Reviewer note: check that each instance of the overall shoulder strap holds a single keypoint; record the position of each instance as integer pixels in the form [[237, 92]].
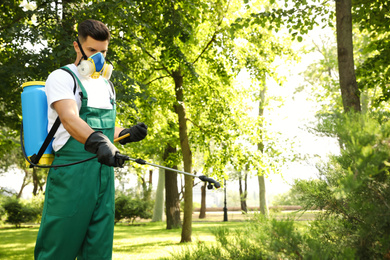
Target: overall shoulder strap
[[112, 88], [83, 92]]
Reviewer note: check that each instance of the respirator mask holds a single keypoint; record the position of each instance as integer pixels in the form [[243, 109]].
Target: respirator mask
[[94, 66]]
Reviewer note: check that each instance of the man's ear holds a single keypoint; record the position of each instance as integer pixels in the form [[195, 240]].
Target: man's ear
[[76, 47]]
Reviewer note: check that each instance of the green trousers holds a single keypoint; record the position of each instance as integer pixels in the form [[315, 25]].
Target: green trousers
[[78, 215]]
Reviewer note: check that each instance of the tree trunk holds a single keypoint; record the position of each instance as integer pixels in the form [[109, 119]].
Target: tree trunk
[[202, 213], [243, 194], [187, 157], [348, 85], [263, 196], [159, 202], [260, 147], [150, 179], [24, 184], [36, 183], [172, 202]]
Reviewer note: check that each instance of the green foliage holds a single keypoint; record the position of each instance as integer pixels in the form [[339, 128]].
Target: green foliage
[[353, 187], [131, 206], [263, 238], [371, 42], [18, 213], [10, 149], [36, 203], [2, 210], [289, 198], [373, 21]]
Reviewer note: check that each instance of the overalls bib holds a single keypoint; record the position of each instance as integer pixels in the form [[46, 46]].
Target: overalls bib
[[79, 207]]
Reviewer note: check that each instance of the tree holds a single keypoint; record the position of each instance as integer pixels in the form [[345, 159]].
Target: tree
[[260, 146], [369, 17], [373, 72], [13, 159], [32, 39], [243, 192], [172, 202], [202, 211], [256, 53], [348, 85], [159, 201]]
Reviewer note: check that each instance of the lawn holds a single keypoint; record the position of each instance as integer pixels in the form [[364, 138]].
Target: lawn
[[153, 241], [143, 240], [138, 241]]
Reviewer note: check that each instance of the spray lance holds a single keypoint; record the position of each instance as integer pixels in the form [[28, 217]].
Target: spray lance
[[212, 183]]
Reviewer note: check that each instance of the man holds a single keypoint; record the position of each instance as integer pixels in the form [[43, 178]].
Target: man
[[78, 214]]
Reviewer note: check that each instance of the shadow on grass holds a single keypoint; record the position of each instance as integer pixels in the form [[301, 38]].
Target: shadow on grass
[[17, 243], [144, 246]]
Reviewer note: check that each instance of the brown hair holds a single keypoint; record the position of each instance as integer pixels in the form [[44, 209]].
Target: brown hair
[[93, 28]]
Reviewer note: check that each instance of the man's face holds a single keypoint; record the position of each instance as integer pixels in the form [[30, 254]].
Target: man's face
[[92, 46]]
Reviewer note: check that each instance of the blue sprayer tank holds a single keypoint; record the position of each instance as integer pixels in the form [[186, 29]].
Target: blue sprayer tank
[[34, 111]]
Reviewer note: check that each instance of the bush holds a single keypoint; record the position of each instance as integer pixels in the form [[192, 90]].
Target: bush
[[266, 239], [36, 203], [2, 210], [289, 198], [132, 206], [17, 213]]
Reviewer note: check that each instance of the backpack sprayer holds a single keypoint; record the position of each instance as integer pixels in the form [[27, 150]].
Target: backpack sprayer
[[37, 138]]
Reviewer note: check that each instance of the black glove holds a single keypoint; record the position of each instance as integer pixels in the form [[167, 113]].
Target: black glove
[[137, 133], [106, 152]]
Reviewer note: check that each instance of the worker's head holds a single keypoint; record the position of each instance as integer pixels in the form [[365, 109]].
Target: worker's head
[[94, 29], [93, 37]]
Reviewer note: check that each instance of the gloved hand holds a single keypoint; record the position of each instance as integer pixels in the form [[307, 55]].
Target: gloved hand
[[137, 133], [106, 151]]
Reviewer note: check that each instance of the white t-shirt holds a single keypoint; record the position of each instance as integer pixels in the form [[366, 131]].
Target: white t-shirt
[[59, 86]]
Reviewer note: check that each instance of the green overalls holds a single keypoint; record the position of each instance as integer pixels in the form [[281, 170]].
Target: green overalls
[[78, 213]]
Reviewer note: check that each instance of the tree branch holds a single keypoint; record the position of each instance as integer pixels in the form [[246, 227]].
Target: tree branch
[[165, 68], [195, 124], [212, 38], [207, 46], [157, 79], [151, 56]]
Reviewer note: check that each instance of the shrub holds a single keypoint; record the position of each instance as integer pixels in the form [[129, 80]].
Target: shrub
[[132, 206], [266, 239], [36, 203], [289, 198], [17, 213]]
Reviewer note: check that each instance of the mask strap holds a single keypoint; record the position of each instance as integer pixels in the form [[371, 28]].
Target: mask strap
[[82, 51], [108, 60]]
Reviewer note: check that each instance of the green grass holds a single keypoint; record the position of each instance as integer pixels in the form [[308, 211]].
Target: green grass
[[153, 241], [143, 240], [17, 243]]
